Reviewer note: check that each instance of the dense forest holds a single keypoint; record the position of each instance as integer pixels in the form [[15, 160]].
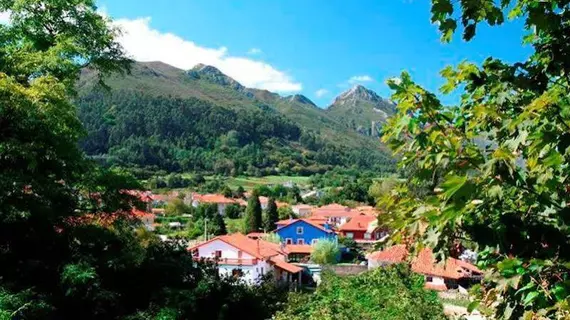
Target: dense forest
[[135, 130]]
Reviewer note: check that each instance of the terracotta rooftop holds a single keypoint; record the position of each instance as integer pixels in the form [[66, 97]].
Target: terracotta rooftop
[[358, 223], [299, 248], [425, 263], [335, 210], [212, 198]]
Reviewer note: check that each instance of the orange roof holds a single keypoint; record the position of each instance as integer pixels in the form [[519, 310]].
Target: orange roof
[[212, 198], [265, 200], [299, 248], [358, 223], [291, 268], [335, 210], [426, 264], [260, 249], [284, 223], [393, 254]]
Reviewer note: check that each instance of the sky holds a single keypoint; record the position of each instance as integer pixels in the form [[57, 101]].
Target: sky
[[318, 48]]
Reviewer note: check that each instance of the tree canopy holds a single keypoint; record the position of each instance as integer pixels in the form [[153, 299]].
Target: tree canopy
[[494, 166]]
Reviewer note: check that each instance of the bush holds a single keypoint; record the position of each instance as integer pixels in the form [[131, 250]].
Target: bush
[[325, 252], [390, 293], [234, 211]]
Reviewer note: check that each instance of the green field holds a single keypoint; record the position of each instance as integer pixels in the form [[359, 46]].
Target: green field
[[251, 182]]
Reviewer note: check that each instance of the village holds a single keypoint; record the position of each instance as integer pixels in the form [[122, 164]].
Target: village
[[285, 252]]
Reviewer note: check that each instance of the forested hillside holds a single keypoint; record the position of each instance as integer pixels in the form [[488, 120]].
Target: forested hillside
[[162, 118]]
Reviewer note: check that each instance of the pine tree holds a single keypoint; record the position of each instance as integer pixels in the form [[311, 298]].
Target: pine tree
[[271, 215], [253, 220], [220, 225]]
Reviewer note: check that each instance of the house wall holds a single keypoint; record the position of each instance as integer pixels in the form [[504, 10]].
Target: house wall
[[310, 233], [435, 280], [359, 235], [302, 212], [222, 208]]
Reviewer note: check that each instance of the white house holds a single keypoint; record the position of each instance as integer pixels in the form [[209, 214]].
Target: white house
[[239, 256], [221, 201], [302, 210]]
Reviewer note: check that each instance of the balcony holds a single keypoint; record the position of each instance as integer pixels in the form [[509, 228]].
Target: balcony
[[230, 261]]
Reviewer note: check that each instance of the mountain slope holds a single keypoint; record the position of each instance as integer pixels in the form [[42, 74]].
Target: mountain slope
[[162, 117], [361, 109]]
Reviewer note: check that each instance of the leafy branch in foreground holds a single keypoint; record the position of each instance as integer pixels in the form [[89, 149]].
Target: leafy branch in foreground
[[496, 164]]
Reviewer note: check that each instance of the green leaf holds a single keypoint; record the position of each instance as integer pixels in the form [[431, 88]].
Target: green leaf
[[530, 297], [453, 184], [473, 305]]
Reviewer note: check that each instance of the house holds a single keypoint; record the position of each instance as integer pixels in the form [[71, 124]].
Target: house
[[304, 231], [218, 199], [336, 214], [264, 201], [237, 255], [438, 276], [302, 210], [367, 210], [147, 219], [363, 229], [314, 193]]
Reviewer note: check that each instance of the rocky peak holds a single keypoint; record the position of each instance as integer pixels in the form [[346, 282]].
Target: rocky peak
[[299, 98], [358, 92], [213, 74]]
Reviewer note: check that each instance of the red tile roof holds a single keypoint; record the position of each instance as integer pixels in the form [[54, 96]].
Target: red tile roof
[[260, 249], [291, 268], [335, 210], [358, 223], [299, 248], [425, 263], [212, 198]]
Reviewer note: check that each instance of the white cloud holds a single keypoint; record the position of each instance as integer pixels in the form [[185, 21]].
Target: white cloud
[[321, 92], [4, 17], [146, 44], [357, 79], [254, 51]]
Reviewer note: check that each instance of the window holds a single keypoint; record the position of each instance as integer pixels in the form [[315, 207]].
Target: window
[[429, 279], [315, 241], [218, 253], [350, 235], [367, 236], [299, 230], [288, 241], [300, 241], [261, 270], [239, 254]]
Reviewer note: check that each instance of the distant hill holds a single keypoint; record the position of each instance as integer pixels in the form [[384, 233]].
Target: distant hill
[[162, 117], [362, 110]]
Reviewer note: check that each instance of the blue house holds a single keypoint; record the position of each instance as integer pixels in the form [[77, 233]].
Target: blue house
[[302, 231]]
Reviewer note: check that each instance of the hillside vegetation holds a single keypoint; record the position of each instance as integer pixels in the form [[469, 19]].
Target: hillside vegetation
[[160, 117]]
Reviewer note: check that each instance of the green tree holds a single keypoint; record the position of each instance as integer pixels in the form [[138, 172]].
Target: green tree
[[286, 213], [325, 252], [253, 214], [240, 191], [234, 211], [177, 207], [227, 192], [220, 225], [389, 293], [271, 215], [495, 164]]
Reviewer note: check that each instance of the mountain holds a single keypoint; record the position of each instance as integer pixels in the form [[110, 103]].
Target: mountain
[[162, 117], [362, 110]]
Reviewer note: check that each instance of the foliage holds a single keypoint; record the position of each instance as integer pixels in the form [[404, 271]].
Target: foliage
[[496, 164], [385, 293], [253, 214], [234, 211], [70, 250], [325, 251], [220, 225], [286, 213], [177, 207], [271, 215], [272, 237]]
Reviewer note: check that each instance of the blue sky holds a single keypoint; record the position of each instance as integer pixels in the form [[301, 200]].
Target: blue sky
[[313, 47]]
